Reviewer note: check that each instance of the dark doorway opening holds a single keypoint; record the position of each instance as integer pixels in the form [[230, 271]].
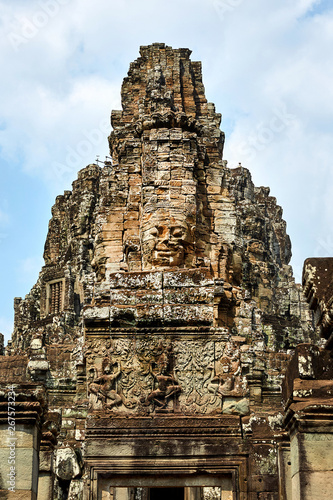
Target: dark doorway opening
[[166, 493]]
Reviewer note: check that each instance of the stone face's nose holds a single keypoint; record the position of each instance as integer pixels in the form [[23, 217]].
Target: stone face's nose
[[165, 236], [164, 240]]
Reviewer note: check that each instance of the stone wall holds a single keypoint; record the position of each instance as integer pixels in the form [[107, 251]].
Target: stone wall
[[166, 313]]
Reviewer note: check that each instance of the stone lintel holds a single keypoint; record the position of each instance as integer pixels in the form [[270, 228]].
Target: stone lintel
[[309, 374], [163, 436], [26, 412], [315, 416], [97, 424]]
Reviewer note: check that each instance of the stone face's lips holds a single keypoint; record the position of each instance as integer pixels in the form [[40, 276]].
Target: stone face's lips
[[166, 253]]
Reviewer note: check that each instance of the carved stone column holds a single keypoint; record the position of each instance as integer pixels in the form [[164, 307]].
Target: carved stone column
[[311, 451], [46, 463], [308, 393], [20, 442]]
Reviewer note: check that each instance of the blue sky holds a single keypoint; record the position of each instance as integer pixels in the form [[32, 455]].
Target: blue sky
[[267, 66]]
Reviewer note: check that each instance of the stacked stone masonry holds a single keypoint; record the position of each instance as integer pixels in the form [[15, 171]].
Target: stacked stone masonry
[[165, 317]]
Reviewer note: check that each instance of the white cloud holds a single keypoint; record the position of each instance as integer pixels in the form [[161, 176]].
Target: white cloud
[[288, 64]]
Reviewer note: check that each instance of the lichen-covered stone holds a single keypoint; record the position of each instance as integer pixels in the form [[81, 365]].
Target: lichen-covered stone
[[166, 312]]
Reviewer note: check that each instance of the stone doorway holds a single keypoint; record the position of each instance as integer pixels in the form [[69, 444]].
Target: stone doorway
[[224, 491], [166, 494], [171, 478]]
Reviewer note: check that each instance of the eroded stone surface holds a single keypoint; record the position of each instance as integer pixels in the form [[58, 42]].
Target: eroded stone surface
[[166, 312]]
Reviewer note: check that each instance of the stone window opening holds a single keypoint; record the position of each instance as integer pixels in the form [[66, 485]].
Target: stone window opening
[[55, 297]]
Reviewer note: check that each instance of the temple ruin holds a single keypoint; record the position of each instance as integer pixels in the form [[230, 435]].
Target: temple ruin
[[166, 350]]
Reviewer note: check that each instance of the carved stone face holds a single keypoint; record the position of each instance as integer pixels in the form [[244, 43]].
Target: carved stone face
[[162, 364], [166, 242], [91, 375]]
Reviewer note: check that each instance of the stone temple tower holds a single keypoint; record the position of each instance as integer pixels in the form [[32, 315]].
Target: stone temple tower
[[147, 360]]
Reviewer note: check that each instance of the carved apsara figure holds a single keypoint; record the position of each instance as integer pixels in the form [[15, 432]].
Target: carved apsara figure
[[167, 385], [226, 382], [103, 387]]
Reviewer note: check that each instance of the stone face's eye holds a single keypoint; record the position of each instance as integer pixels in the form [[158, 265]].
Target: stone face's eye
[[177, 232]]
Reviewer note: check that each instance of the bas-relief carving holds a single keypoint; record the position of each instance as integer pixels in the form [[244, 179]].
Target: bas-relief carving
[[227, 380], [99, 260], [135, 383], [207, 373], [139, 214], [143, 376], [167, 240], [132, 253], [158, 97], [167, 384], [104, 388]]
